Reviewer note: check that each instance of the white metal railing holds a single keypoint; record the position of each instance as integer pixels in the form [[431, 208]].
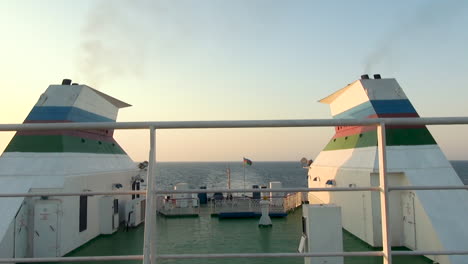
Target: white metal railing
[[236, 204], [334, 189], [278, 204], [150, 249], [292, 201], [178, 206], [238, 123]]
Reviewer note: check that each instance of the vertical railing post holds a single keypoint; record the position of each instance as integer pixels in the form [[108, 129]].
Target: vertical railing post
[[384, 210], [149, 248]]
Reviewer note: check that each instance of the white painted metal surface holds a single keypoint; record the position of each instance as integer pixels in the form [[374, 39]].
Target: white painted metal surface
[[21, 232], [149, 246], [384, 210], [337, 189], [88, 101], [62, 164], [338, 104], [409, 220], [83, 97], [238, 123], [10, 206], [276, 198], [182, 199], [46, 228], [107, 217], [134, 210], [6, 245], [324, 232], [265, 217]]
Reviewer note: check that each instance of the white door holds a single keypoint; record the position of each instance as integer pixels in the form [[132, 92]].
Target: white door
[[46, 228], [21, 232], [115, 214], [409, 223]]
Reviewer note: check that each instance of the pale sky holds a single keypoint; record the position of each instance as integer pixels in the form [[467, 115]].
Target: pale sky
[[235, 60]]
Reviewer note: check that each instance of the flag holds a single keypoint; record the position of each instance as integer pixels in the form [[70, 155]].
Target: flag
[[248, 162]]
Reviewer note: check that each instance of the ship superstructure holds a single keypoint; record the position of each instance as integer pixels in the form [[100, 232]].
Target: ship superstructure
[[420, 220], [63, 161]]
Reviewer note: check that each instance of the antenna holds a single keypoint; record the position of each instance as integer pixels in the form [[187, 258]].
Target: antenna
[[228, 171]]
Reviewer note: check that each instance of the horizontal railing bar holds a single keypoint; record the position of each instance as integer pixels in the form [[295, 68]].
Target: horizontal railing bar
[[237, 123], [70, 194], [423, 188], [71, 259], [425, 253], [193, 256], [330, 189], [272, 255], [326, 189], [336, 189], [233, 255]]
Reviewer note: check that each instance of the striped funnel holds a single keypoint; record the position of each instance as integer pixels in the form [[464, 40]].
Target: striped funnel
[[419, 220], [64, 152], [377, 98]]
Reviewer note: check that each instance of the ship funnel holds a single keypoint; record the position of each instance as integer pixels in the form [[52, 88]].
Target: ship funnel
[[66, 82], [365, 76], [377, 76]]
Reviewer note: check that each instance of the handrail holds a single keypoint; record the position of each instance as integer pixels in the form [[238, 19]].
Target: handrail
[[426, 188], [330, 189], [237, 123], [70, 259], [151, 193], [233, 255], [39, 194], [272, 255]]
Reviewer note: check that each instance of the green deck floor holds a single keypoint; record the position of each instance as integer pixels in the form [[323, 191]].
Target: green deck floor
[[207, 234]]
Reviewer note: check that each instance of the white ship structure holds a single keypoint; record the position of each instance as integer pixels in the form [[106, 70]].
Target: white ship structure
[[66, 161], [420, 220]]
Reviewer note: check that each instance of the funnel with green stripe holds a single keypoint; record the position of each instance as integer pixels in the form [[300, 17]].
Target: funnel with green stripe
[[420, 220], [64, 152]]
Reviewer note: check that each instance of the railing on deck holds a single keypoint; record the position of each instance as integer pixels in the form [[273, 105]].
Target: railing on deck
[[150, 248], [234, 204], [278, 203], [178, 206], [292, 201]]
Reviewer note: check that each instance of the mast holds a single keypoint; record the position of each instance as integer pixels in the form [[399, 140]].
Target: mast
[[228, 171]]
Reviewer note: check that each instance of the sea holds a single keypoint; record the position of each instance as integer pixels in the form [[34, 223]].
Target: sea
[[213, 174], [207, 234]]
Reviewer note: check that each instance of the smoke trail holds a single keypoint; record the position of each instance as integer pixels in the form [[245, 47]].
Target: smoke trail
[[112, 44], [429, 16], [120, 37]]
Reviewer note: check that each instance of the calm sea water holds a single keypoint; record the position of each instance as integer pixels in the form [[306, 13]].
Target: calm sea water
[[213, 174]]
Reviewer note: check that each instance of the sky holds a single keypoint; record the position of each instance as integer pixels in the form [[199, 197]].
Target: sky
[[179, 60]]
